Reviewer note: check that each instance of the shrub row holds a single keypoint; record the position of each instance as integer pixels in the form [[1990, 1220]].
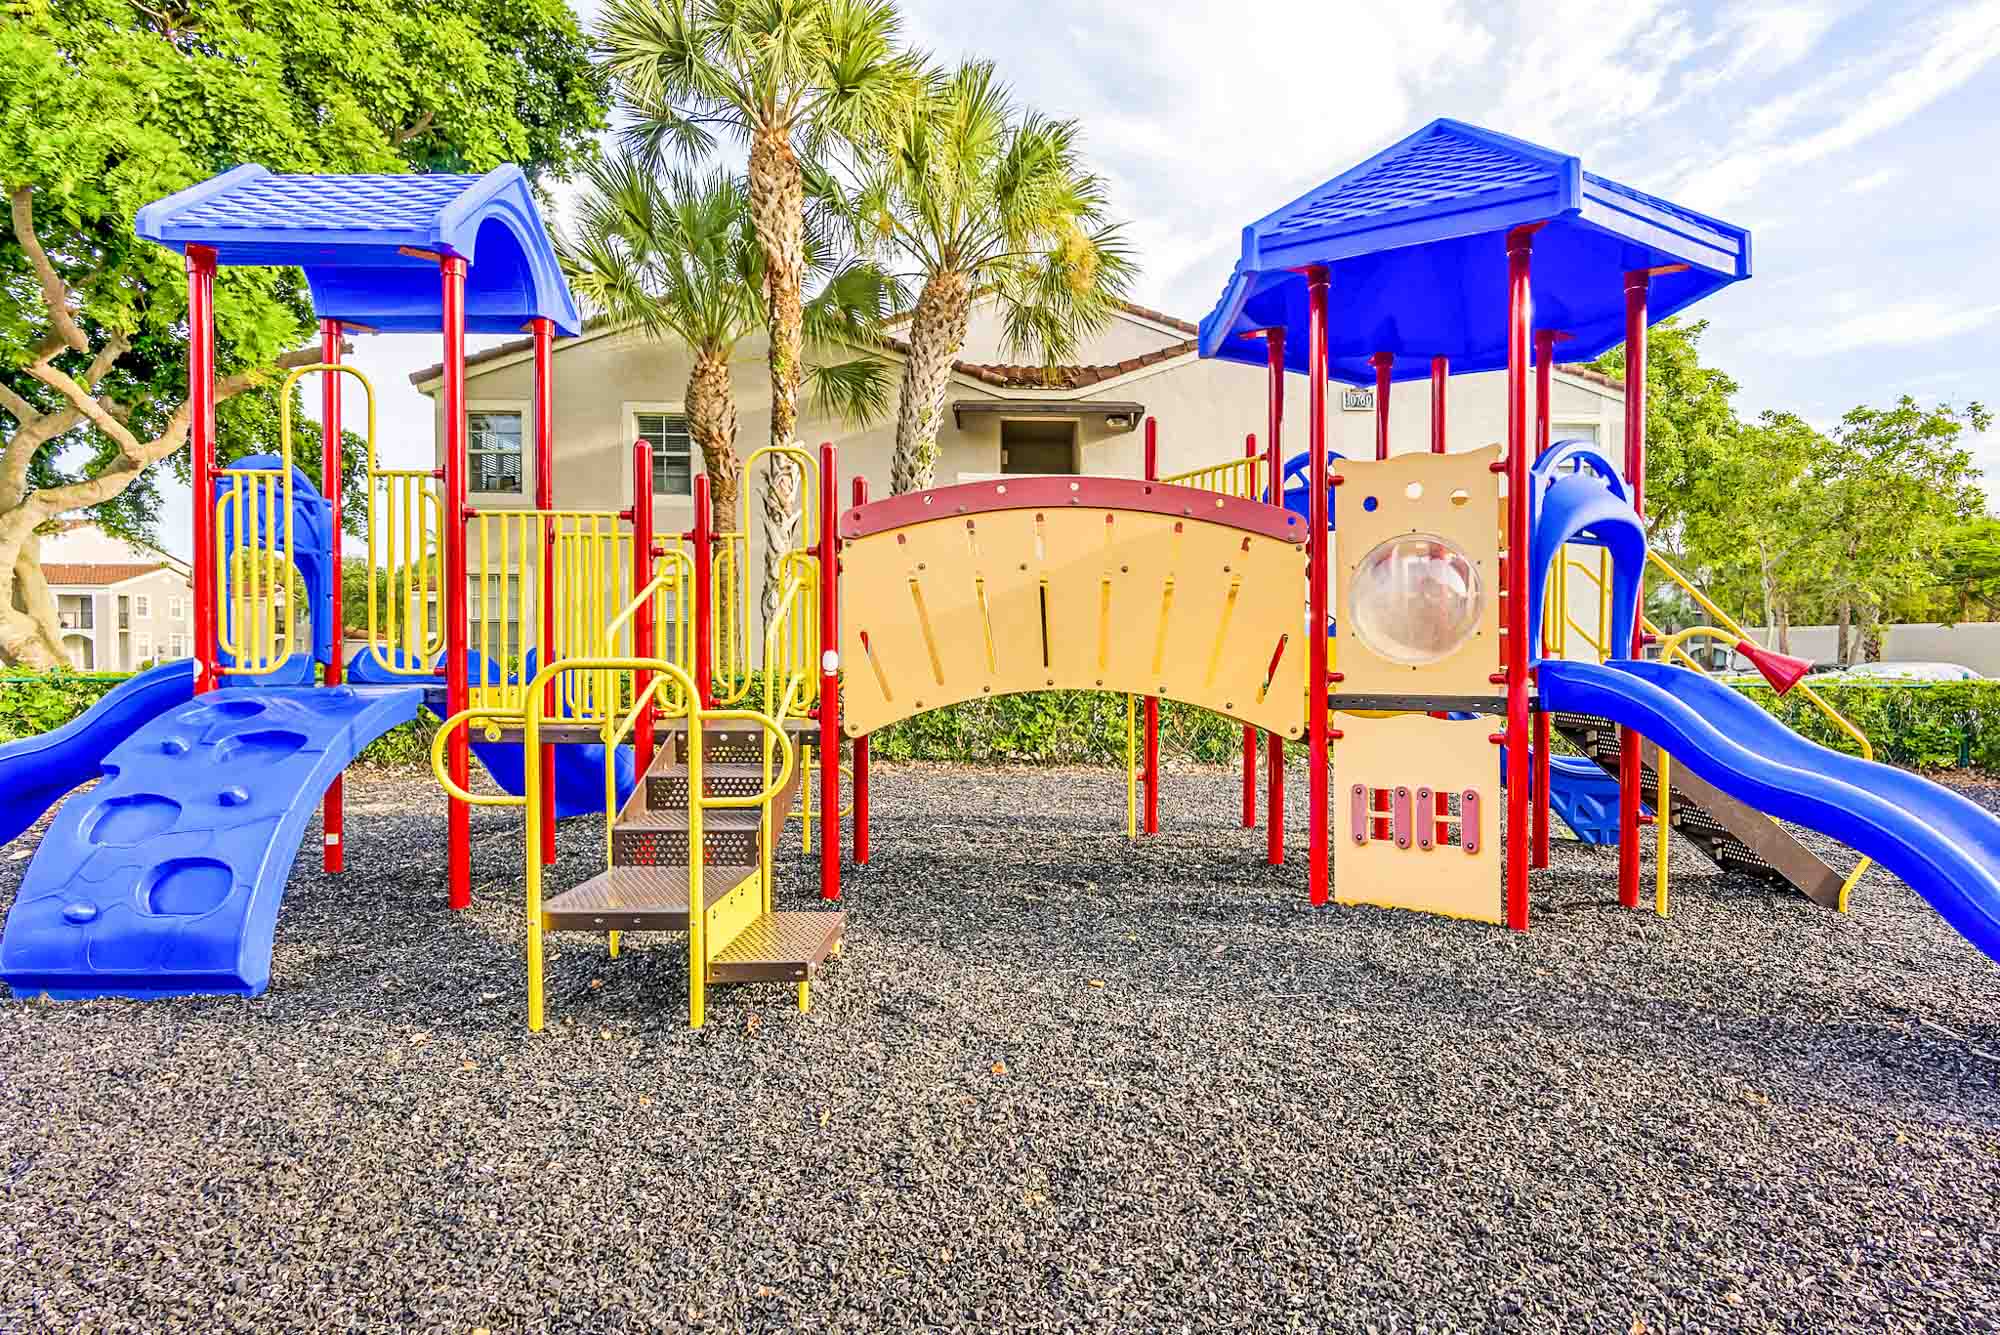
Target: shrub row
[[1929, 725]]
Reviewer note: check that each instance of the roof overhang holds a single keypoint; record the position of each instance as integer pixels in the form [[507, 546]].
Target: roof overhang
[[1415, 244], [1108, 409]]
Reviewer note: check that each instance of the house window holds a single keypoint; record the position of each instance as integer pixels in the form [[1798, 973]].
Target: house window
[[1038, 445], [673, 452], [142, 649], [493, 451], [1586, 431], [177, 608], [142, 606]]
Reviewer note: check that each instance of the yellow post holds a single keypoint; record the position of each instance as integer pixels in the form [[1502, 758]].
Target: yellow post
[[805, 800], [1662, 811]]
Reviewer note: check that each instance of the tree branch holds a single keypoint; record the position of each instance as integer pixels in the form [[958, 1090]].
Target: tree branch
[[55, 292], [409, 132], [23, 412]]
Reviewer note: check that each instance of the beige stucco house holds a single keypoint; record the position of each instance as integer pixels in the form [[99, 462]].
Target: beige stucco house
[[614, 386], [119, 606]]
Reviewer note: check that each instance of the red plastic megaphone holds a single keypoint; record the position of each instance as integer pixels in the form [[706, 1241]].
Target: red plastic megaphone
[[1781, 670]]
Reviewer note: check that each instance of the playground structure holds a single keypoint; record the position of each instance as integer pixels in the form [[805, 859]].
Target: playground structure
[[1479, 602]]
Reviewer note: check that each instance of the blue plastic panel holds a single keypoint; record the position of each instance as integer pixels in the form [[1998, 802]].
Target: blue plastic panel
[[351, 235], [36, 771], [1415, 242], [164, 879]]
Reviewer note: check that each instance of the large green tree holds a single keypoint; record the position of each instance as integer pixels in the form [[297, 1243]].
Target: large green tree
[[1690, 425], [971, 192], [108, 104], [793, 79]]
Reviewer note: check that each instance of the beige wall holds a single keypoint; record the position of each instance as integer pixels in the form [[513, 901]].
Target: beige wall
[[1127, 335], [168, 613]]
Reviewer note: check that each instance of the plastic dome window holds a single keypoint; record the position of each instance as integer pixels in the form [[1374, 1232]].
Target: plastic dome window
[[1416, 599]]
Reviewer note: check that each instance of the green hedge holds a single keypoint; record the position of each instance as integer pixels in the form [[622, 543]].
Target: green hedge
[[1928, 725]]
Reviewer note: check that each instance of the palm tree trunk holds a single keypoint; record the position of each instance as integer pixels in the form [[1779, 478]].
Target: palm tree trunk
[[937, 332], [777, 211], [712, 422]]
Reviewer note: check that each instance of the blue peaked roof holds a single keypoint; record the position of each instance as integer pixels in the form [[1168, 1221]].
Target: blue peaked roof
[[1415, 241], [352, 235]]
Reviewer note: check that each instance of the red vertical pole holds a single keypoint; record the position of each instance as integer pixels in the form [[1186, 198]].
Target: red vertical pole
[[860, 745], [829, 673], [1629, 779], [1249, 733], [543, 330], [459, 747], [1152, 821], [1318, 876], [1274, 746], [642, 620], [1440, 372], [1520, 312], [333, 816], [703, 539], [1545, 345], [200, 262], [1383, 362]]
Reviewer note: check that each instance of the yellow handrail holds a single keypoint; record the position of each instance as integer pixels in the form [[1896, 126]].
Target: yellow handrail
[[1242, 477]]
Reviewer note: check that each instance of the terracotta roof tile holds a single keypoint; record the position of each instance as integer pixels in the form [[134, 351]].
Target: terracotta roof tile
[[1579, 371], [97, 573], [1004, 376]]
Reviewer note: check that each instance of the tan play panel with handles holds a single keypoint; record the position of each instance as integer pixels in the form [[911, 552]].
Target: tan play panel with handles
[[1390, 847], [1159, 600]]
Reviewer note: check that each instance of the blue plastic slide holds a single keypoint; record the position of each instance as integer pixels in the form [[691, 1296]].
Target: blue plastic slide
[[1946, 847], [579, 766], [36, 771], [164, 879], [1582, 794]]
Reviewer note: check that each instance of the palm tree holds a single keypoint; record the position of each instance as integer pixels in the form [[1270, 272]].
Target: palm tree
[[976, 196], [792, 78], [676, 256]]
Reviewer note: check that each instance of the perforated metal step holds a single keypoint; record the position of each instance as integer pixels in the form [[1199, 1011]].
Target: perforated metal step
[[779, 947], [637, 899]]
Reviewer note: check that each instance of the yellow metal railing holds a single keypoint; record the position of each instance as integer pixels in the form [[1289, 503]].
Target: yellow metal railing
[[1237, 477], [670, 684]]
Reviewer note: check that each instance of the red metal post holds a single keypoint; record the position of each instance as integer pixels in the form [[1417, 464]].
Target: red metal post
[[1249, 733], [829, 673], [543, 330], [201, 437], [642, 620], [1637, 283], [333, 815], [1520, 313], [459, 747], [860, 745], [1274, 747], [1318, 876], [1545, 346], [703, 539], [1383, 362], [1152, 817], [1440, 372]]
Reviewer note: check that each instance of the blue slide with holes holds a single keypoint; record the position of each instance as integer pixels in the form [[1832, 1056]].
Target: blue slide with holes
[[36, 771], [1945, 846], [164, 879]]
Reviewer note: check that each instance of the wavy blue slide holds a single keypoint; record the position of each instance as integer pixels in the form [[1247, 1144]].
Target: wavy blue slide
[[164, 879], [36, 771], [1946, 847]]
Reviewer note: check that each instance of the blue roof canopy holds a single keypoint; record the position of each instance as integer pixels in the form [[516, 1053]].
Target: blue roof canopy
[[351, 235], [1415, 242]]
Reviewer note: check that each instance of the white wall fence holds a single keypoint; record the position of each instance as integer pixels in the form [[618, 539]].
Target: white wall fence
[[1973, 644]]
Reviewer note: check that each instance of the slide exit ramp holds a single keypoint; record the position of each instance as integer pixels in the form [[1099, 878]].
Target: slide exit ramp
[[165, 878]]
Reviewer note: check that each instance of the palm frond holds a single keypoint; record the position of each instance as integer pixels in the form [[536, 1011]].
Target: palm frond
[[856, 391]]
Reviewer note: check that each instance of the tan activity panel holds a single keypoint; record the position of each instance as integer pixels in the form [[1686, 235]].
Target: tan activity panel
[[1417, 575], [1031, 586], [1393, 848]]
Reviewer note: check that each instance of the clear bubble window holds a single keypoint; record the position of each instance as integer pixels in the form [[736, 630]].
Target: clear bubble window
[[1416, 599]]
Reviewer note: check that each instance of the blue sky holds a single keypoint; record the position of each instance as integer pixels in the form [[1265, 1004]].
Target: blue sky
[[1857, 140]]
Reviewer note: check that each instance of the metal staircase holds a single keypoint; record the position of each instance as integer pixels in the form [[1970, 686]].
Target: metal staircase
[[1733, 836]]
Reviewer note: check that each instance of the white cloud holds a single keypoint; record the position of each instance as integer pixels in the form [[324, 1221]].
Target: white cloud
[[1861, 325], [1874, 180]]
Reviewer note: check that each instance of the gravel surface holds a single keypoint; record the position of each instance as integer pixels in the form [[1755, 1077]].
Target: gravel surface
[[1056, 1081]]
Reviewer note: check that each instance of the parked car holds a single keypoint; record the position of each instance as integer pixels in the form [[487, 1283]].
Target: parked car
[[1912, 671]]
